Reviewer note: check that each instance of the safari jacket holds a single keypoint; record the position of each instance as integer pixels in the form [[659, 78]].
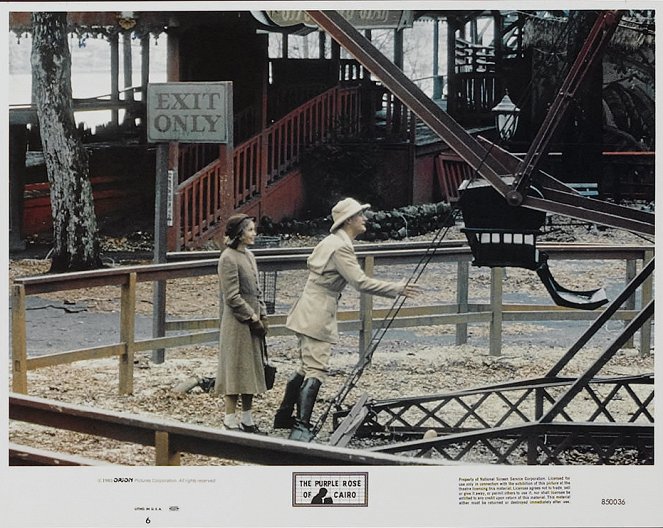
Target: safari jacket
[[332, 265]]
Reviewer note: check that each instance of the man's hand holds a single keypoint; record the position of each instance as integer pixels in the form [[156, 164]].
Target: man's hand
[[411, 290]]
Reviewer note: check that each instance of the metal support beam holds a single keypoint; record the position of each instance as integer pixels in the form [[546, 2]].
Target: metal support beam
[[592, 51], [467, 147], [586, 377], [603, 318], [570, 203]]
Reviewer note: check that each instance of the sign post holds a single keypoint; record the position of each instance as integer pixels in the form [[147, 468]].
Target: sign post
[[179, 112]]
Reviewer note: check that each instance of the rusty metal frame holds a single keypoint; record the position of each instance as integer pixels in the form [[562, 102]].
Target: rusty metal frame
[[592, 50], [467, 410], [536, 443], [468, 148], [391, 418]]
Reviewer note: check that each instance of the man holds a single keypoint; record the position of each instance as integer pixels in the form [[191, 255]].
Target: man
[[332, 265]]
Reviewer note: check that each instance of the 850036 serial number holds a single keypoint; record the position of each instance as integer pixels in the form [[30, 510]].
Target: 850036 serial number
[[613, 502]]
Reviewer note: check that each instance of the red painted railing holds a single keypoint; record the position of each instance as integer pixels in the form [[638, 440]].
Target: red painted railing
[[624, 175], [259, 162], [198, 204], [194, 156], [451, 170]]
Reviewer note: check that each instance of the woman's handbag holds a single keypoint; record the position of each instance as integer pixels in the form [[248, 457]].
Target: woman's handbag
[[270, 370]]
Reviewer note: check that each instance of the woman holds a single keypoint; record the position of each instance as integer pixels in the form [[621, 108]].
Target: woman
[[243, 325]]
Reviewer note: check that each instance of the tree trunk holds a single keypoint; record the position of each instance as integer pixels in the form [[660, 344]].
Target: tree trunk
[[75, 240]]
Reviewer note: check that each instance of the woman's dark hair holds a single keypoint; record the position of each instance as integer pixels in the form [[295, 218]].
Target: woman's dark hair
[[234, 228]]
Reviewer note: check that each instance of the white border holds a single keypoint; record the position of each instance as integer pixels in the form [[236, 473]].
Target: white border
[[261, 496]]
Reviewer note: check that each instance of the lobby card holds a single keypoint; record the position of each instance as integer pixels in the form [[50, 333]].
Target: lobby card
[[467, 492]]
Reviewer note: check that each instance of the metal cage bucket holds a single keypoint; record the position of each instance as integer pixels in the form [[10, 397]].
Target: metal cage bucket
[[268, 278]]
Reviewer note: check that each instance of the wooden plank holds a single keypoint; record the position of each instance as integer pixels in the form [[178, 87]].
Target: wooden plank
[[195, 439], [366, 311], [563, 315], [72, 356], [19, 346], [462, 295], [174, 341], [127, 334], [21, 455], [496, 284], [192, 324], [164, 454], [647, 296], [344, 432], [631, 272]]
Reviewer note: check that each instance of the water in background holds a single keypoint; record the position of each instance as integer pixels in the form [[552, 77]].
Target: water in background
[[90, 76]]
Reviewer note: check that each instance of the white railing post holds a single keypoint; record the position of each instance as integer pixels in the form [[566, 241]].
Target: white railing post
[[496, 278], [366, 311], [462, 295], [647, 296]]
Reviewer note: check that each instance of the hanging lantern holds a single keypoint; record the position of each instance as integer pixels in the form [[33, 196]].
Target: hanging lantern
[[506, 117], [126, 20]]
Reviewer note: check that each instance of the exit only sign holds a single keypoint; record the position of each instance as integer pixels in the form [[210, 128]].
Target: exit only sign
[[189, 112]]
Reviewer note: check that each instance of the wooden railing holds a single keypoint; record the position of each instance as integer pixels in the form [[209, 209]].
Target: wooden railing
[[471, 58], [260, 161], [246, 123], [194, 156], [352, 70], [451, 170], [458, 314], [170, 438], [476, 93], [198, 203], [400, 121]]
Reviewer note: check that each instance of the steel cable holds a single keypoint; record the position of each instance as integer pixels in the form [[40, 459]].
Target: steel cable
[[387, 321]]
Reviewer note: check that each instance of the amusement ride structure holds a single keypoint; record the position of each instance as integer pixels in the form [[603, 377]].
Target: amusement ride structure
[[504, 205]]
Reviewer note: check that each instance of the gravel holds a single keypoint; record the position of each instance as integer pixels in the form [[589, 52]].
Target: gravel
[[408, 362]]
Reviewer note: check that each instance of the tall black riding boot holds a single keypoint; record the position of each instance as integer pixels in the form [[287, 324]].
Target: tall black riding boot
[[307, 395], [284, 418]]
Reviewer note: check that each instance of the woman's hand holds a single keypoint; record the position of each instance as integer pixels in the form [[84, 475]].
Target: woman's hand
[[257, 328]]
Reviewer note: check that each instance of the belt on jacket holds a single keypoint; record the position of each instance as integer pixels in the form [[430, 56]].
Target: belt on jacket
[[312, 286]]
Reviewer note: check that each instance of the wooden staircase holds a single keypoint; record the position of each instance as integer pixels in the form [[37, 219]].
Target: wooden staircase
[[203, 200]]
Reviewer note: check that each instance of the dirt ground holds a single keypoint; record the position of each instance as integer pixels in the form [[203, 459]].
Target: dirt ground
[[412, 362]]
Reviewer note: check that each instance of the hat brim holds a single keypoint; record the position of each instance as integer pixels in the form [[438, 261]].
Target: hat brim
[[351, 212]]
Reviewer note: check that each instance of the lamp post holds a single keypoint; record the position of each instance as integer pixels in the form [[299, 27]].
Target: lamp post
[[506, 117]]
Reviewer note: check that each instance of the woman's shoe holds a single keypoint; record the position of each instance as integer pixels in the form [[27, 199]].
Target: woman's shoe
[[253, 428], [231, 422]]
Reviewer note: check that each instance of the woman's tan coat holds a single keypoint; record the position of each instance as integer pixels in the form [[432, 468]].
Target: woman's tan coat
[[240, 368]]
